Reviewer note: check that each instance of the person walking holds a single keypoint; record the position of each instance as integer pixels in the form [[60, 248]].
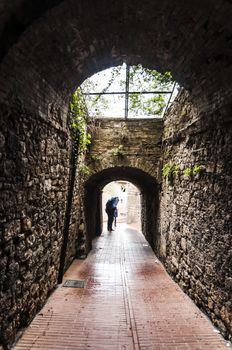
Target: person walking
[[111, 206]]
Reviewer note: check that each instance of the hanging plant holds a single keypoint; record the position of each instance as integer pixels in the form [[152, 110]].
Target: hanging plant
[[78, 118]]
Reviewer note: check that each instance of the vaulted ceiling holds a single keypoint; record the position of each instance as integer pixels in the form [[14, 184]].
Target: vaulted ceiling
[[57, 44]]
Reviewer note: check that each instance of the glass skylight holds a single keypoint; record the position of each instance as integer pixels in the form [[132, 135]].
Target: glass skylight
[[128, 92]]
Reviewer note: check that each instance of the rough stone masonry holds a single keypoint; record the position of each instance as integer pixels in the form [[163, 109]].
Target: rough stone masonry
[[47, 50], [196, 217]]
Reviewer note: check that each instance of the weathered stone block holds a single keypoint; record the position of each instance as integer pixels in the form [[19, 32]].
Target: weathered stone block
[[228, 283], [183, 244], [26, 224], [11, 230]]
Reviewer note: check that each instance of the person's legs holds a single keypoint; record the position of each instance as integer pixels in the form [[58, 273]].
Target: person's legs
[[110, 221]]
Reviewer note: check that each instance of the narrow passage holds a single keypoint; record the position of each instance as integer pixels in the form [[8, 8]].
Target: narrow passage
[[129, 302]]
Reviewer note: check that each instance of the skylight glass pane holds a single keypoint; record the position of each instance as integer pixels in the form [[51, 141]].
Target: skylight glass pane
[[142, 79], [109, 106], [147, 105], [108, 80], [147, 85]]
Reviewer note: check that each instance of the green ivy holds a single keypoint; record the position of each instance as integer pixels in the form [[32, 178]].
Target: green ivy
[[79, 114], [118, 151], [85, 170], [95, 158], [188, 172], [197, 169], [170, 170]]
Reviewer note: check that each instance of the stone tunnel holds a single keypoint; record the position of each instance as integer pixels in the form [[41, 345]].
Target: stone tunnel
[[47, 50]]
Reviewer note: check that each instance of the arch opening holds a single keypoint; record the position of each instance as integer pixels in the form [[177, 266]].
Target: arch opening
[[149, 189], [128, 207]]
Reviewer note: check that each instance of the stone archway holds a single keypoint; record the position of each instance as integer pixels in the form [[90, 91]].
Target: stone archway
[[149, 201]]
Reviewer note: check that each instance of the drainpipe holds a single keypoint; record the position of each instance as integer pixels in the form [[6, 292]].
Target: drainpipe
[[68, 212]]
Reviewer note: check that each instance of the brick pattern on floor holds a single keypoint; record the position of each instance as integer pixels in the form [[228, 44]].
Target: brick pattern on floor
[[129, 302]]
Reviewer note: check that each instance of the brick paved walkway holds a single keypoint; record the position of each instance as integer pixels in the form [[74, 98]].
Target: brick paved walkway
[[129, 302]]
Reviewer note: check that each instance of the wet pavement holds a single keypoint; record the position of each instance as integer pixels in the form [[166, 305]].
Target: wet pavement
[[128, 302]]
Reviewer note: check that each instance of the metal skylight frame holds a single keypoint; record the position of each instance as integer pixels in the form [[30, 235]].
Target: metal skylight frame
[[127, 92]]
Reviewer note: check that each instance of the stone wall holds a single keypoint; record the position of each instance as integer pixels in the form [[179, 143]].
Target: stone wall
[[34, 168], [196, 213], [133, 205], [133, 142]]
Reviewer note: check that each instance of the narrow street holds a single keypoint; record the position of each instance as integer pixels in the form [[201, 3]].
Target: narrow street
[[128, 302]]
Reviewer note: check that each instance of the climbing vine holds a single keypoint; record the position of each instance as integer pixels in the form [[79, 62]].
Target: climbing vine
[[78, 118]]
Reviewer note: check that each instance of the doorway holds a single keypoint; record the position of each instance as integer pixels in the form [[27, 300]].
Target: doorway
[[129, 205], [94, 204]]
